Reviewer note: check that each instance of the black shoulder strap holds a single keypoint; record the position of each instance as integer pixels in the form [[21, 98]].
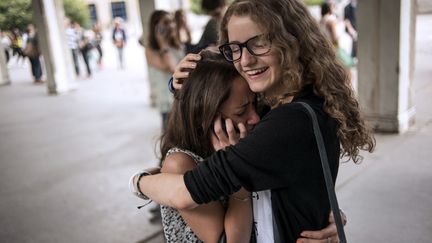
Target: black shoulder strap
[[327, 175]]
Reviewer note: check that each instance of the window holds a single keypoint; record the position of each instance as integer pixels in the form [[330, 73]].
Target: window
[[93, 13], [119, 10]]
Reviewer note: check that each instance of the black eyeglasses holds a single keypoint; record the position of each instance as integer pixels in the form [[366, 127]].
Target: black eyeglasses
[[257, 46]]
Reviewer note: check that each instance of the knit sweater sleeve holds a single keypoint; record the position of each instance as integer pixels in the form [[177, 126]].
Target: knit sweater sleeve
[[270, 157]]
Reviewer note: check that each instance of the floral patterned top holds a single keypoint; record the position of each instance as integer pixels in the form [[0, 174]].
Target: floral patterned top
[[175, 228]]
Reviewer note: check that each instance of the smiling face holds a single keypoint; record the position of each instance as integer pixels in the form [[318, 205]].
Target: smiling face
[[261, 72], [240, 106]]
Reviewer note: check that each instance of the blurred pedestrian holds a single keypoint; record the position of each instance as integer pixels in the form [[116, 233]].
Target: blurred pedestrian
[[97, 43], [84, 46], [119, 39], [17, 45], [183, 31], [163, 52], [5, 42], [351, 24], [328, 25], [32, 51], [328, 21], [72, 43]]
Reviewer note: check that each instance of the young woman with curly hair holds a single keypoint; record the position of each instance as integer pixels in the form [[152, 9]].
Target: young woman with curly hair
[[286, 59]]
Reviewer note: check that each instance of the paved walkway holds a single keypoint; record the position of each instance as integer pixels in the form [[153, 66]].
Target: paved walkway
[[65, 161]]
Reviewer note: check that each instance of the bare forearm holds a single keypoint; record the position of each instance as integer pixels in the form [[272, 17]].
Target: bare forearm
[[160, 61], [238, 218], [167, 189], [206, 221]]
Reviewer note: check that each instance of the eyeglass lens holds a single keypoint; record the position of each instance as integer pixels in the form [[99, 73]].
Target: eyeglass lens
[[258, 45]]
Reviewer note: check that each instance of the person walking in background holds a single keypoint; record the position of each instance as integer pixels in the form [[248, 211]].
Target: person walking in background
[[17, 46], [5, 41], [72, 43], [97, 43], [163, 51], [328, 25], [84, 46], [328, 21], [350, 19], [119, 39], [33, 53], [183, 31], [24, 37]]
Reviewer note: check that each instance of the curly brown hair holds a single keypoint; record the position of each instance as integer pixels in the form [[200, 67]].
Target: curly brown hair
[[307, 57]]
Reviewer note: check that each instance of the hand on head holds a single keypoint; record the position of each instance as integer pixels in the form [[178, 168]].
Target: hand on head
[[183, 68]]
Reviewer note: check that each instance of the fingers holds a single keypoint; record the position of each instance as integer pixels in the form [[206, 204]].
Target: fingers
[[242, 129], [182, 69], [192, 57], [329, 231], [223, 140], [177, 84], [343, 217], [215, 142], [188, 62], [331, 217], [233, 137]]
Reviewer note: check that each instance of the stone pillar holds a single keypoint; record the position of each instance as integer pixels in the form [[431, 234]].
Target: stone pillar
[[133, 12], [4, 74], [48, 17], [145, 10], [385, 66]]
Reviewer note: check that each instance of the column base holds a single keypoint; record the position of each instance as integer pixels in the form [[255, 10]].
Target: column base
[[390, 123]]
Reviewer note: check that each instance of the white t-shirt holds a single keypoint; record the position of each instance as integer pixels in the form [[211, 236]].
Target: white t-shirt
[[263, 216]]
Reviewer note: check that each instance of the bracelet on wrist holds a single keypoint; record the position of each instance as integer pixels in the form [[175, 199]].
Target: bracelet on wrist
[[140, 193], [134, 185]]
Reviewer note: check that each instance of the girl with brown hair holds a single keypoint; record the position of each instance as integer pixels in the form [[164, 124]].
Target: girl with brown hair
[[163, 51], [213, 89]]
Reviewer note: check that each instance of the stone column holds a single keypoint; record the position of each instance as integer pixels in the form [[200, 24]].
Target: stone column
[[145, 10], [48, 17], [385, 66], [4, 73]]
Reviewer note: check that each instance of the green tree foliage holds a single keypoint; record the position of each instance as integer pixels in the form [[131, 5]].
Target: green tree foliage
[[15, 13], [77, 11], [313, 2], [18, 13]]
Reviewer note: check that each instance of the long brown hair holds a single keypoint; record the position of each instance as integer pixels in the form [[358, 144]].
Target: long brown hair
[[180, 20], [307, 57], [155, 18], [196, 105]]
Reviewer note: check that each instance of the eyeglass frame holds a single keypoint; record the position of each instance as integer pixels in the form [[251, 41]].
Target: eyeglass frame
[[243, 45]]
